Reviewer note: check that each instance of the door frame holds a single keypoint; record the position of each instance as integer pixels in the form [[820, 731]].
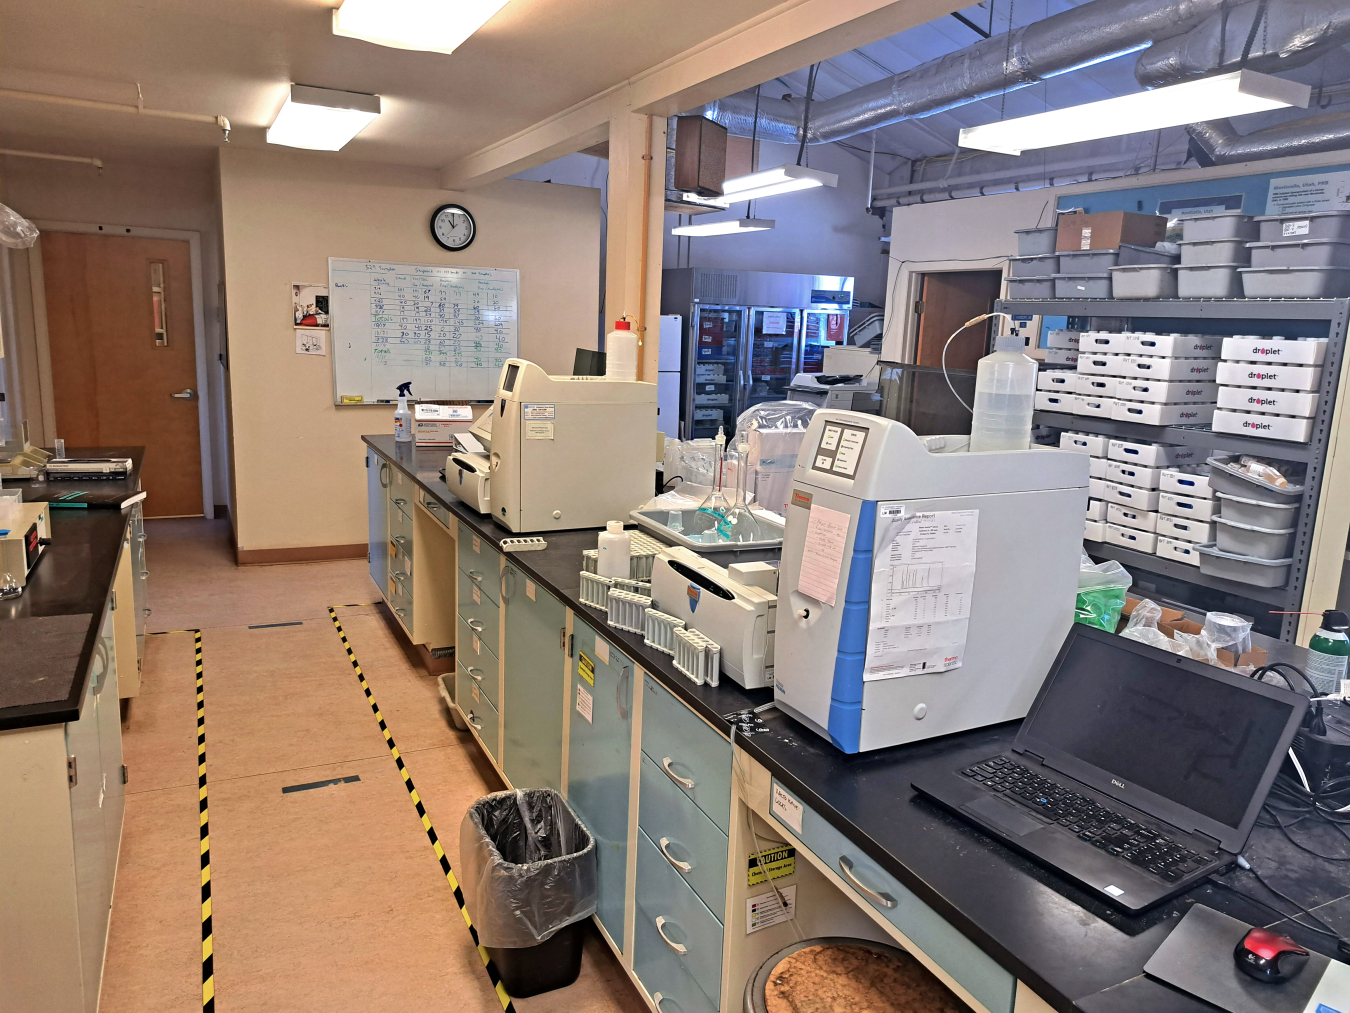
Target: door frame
[[909, 278], [194, 241]]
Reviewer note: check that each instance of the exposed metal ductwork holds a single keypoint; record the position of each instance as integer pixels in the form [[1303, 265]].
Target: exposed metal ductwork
[[1217, 143]]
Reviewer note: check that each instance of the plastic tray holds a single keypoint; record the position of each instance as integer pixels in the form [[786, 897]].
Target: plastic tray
[[1315, 225], [1249, 540], [1209, 281], [1204, 252], [1043, 265], [1223, 477], [721, 552], [1132, 255], [1295, 282], [1225, 225], [1243, 569], [1031, 288], [1083, 286], [1036, 242], [1144, 281], [1259, 513], [1301, 253]]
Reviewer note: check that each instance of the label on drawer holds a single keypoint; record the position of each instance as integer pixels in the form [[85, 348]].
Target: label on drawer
[[779, 863], [477, 645], [601, 652], [766, 909], [477, 596], [585, 703], [787, 808], [477, 547], [476, 697], [586, 669], [529, 590]]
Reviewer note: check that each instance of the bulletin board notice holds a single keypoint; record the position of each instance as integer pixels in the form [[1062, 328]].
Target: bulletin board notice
[[447, 330]]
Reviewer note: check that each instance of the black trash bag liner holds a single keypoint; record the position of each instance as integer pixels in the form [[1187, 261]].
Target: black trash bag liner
[[528, 867]]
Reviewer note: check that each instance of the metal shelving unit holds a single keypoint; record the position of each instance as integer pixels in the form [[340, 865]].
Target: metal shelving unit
[[1259, 315]]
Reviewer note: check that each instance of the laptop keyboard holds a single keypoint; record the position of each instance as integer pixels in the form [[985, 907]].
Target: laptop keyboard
[[1101, 827]]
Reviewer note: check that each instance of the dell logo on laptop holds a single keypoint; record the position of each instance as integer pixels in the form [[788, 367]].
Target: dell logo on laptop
[[1118, 784]]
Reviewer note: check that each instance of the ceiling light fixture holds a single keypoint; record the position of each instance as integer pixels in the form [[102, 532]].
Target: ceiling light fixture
[[1209, 98], [770, 182], [724, 228], [322, 118], [431, 26]]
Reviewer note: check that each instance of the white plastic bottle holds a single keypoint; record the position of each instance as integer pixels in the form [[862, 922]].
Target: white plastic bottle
[[1005, 394], [621, 352], [403, 416], [615, 549]]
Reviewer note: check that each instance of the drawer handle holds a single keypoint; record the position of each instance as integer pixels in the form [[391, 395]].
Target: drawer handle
[[474, 625], [401, 541], [846, 867], [471, 670], [475, 576], [683, 867], [477, 725], [677, 947], [401, 613], [400, 503], [657, 999], [684, 782]]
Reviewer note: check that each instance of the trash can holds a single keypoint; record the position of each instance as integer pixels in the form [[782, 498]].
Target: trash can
[[529, 879]]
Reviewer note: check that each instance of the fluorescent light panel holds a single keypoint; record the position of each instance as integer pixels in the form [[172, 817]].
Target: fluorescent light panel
[[770, 182], [724, 228], [321, 118], [431, 26], [1210, 98]]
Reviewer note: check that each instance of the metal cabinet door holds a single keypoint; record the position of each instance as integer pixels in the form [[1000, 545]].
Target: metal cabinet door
[[599, 763], [533, 696], [93, 878], [112, 791], [377, 501]]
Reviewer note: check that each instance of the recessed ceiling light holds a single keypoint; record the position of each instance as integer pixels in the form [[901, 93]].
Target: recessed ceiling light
[[321, 118], [1209, 98], [770, 182], [724, 228], [432, 26]]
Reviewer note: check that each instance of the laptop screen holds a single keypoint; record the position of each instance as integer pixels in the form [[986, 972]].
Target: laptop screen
[[1200, 742]]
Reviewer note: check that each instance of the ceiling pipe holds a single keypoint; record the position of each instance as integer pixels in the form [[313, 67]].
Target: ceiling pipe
[[97, 163], [118, 107], [1217, 143]]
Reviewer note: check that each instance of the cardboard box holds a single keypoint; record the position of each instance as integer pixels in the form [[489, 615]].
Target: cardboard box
[[1272, 427], [1267, 375], [1056, 401], [1138, 499], [1167, 369], [1097, 467], [1061, 356], [1155, 455], [1084, 443], [1063, 339], [1195, 508], [435, 425], [1101, 341], [1173, 621], [1185, 529], [1094, 530], [1096, 510], [1150, 414], [1129, 388], [1178, 551], [1129, 473], [1306, 352], [1130, 538], [1182, 346], [1128, 517], [1102, 363], [1091, 385], [1168, 615], [1100, 407], [1186, 483], [1063, 381], [1106, 230], [1302, 404]]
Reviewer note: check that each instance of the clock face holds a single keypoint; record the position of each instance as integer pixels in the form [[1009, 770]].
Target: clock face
[[452, 227]]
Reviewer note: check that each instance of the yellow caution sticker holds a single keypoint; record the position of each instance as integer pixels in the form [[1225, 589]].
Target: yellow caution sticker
[[586, 667], [778, 863]]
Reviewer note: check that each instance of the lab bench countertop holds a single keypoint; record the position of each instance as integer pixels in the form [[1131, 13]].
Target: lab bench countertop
[[48, 634], [1074, 951]]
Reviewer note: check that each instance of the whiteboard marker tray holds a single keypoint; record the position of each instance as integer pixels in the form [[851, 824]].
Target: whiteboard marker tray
[[721, 552]]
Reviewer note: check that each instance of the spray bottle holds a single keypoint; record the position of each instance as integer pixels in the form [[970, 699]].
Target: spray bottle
[[403, 416], [1329, 652]]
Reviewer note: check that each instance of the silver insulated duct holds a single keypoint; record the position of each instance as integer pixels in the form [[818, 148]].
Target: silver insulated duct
[[1217, 143]]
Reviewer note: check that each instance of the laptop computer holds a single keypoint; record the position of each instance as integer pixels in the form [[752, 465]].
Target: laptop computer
[[1136, 773]]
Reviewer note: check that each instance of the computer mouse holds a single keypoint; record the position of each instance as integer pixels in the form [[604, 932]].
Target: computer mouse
[[1268, 956]]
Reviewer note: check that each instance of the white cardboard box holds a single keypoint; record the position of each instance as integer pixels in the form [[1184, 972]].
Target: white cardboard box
[[1140, 499], [1061, 356], [1096, 510], [1179, 551], [1150, 414], [1102, 363], [1302, 404], [1084, 443], [1194, 346], [1166, 391], [1185, 529], [1186, 483], [1091, 385], [1063, 339], [1101, 341], [1269, 375], [1097, 488], [1157, 367], [1250, 348], [1129, 473], [1097, 467], [1063, 381], [1056, 401], [1093, 531], [1140, 541], [1202, 510], [1155, 455], [1272, 427], [1091, 404], [1143, 520], [436, 425]]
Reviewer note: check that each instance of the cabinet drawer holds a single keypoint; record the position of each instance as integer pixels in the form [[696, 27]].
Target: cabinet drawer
[[690, 837], [975, 970], [481, 715], [685, 921], [400, 527], [481, 615], [436, 510], [672, 732], [401, 602], [480, 665], [660, 970], [478, 558]]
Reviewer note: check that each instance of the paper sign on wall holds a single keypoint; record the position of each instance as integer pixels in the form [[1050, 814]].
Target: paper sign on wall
[[586, 668], [767, 909], [823, 553], [777, 864], [774, 322], [311, 341], [585, 703], [1296, 195]]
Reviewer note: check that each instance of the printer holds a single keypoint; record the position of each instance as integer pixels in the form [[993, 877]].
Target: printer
[[569, 451], [468, 469], [923, 589], [849, 392]]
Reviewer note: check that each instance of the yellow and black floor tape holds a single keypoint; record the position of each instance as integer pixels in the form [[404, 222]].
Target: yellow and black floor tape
[[208, 961], [492, 974]]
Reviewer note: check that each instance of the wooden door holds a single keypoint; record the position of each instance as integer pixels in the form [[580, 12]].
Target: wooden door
[[948, 300], [120, 327]]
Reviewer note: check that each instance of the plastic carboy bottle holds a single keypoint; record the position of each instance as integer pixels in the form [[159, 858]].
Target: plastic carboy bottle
[[1005, 393]]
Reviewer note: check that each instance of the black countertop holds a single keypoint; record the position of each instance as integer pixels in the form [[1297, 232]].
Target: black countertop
[[103, 494], [70, 583], [1077, 953]]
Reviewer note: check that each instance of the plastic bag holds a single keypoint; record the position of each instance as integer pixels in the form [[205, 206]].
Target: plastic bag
[[773, 432], [529, 867], [1264, 471], [1101, 593], [1143, 626], [16, 231], [1228, 632]]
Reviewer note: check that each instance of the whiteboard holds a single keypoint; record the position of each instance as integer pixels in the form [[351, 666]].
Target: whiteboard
[[448, 330]]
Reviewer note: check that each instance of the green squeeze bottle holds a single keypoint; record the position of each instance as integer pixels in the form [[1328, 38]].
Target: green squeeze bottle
[[1329, 652]]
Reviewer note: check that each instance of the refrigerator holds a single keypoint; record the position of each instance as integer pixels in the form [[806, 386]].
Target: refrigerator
[[668, 376], [745, 335]]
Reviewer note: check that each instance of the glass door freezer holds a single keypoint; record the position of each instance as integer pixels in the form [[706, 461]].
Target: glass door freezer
[[773, 355], [714, 370]]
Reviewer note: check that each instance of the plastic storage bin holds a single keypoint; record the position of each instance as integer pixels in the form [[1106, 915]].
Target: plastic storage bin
[[1150, 414], [1131, 255], [1031, 288], [1204, 252], [1144, 281], [1292, 351], [1244, 569], [1097, 386], [1142, 520], [1186, 483], [1225, 478], [1056, 401], [1302, 404], [1199, 508], [1259, 513], [1064, 339], [1083, 286], [1185, 346], [1036, 242], [1102, 363], [1271, 427], [1269, 375], [1101, 341], [1187, 529], [1301, 253], [1315, 225], [1131, 538], [1296, 282], [1170, 368], [1087, 261], [1249, 540], [1166, 391], [1177, 551], [1155, 455], [1062, 381], [1084, 443], [1224, 225], [1097, 406], [1209, 281], [1044, 266], [1129, 473], [1061, 357]]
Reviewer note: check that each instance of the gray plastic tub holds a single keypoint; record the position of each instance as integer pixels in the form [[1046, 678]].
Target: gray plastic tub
[[1249, 540], [722, 553], [1245, 510], [1045, 265], [1225, 225], [1083, 286], [1295, 282], [1031, 288], [1301, 253], [1087, 261], [1130, 254], [1037, 242], [1209, 281], [1214, 251], [1144, 281], [1245, 569], [1224, 478], [1315, 225]]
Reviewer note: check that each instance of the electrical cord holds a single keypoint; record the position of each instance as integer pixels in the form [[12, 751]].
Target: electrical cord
[[1342, 945], [968, 323], [755, 839]]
